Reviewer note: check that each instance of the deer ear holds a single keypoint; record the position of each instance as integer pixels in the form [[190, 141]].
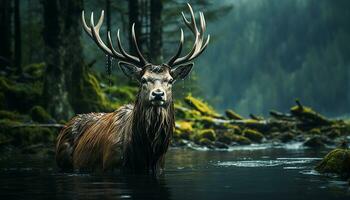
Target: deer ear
[[181, 71], [130, 70]]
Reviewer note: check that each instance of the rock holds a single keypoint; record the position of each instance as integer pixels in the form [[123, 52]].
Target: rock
[[242, 140], [205, 142], [314, 142], [253, 135], [334, 133], [226, 137], [286, 137], [220, 145], [207, 133], [336, 161], [233, 115]]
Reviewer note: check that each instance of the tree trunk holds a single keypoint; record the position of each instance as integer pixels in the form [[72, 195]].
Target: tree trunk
[[156, 31], [18, 39], [5, 33], [134, 18], [55, 94]]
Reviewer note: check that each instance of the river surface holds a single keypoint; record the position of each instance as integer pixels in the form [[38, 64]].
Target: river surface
[[253, 172]]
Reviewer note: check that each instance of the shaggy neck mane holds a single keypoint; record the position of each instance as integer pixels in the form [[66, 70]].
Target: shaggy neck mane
[[151, 131]]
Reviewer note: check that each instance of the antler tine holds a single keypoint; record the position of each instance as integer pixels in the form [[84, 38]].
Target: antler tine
[[198, 46], [122, 49], [142, 59], [94, 32], [172, 59]]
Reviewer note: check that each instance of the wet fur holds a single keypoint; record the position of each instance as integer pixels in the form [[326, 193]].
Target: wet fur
[[134, 138]]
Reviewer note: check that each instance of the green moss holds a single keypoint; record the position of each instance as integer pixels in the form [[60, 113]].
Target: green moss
[[35, 70], [336, 161], [205, 142], [182, 112], [253, 135], [12, 132], [315, 131], [184, 126], [306, 113], [183, 129], [201, 106], [236, 129], [233, 115], [205, 133], [123, 94], [39, 114], [19, 96], [226, 137], [90, 97], [242, 140], [11, 115]]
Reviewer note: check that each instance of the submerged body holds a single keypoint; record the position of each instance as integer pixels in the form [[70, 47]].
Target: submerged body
[[129, 138]]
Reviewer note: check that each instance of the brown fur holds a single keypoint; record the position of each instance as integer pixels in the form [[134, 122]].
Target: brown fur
[[132, 138]]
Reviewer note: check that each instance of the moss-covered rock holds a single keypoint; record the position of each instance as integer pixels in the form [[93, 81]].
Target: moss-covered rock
[[201, 106], [233, 115], [253, 135], [286, 137], [205, 133], [336, 161], [334, 133], [308, 114], [226, 137], [183, 130], [39, 114], [182, 112], [242, 140], [315, 142], [205, 142]]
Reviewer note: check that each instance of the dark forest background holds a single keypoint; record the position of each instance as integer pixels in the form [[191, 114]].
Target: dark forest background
[[263, 55]]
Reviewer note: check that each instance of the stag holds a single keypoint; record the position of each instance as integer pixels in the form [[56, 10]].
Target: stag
[[136, 136]]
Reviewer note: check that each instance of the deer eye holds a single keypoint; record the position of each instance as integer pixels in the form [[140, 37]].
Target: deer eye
[[143, 81], [171, 81]]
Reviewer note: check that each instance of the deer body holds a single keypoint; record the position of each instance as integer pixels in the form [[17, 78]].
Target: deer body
[[134, 137]]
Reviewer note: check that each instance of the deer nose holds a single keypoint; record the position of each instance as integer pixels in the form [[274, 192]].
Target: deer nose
[[158, 94]]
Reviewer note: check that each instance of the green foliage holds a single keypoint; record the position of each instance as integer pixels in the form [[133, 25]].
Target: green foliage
[[122, 94]]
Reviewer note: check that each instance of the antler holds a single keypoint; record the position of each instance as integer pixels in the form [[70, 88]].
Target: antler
[[94, 33], [198, 46]]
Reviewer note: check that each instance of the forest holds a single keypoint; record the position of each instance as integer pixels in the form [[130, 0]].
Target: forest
[[275, 73]]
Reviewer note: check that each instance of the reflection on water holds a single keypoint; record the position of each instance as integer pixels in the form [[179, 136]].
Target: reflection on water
[[272, 173]]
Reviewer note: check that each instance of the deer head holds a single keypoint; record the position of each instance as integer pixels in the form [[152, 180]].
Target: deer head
[[155, 80]]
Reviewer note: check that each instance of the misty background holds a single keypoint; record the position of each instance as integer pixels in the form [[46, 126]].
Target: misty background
[[267, 53]]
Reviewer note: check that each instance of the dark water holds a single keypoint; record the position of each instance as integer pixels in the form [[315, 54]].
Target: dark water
[[263, 173]]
